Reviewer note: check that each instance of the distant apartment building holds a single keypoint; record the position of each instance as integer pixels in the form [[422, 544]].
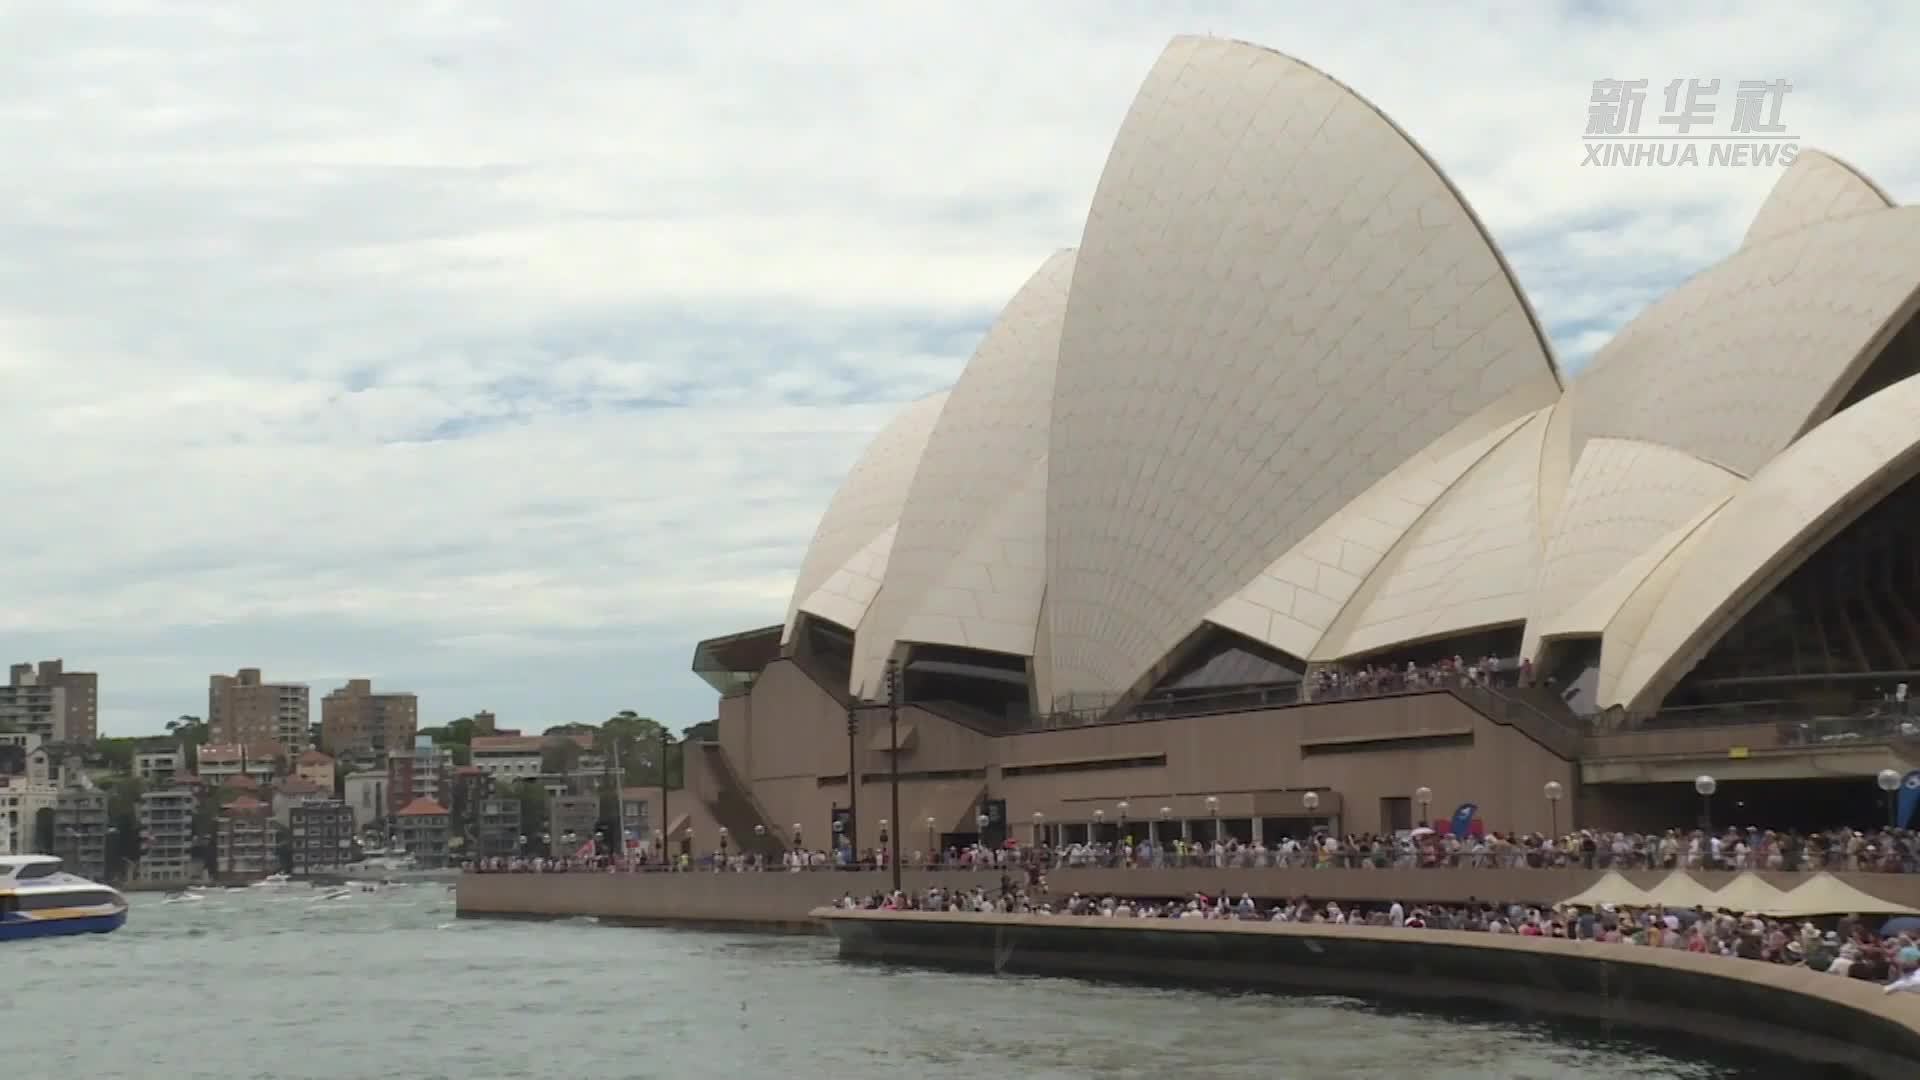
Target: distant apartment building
[[166, 835], [293, 793], [356, 722], [55, 764], [321, 837], [158, 766], [432, 768], [52, 702], [14, 748], [570, 822], [497, 826], [424, 829], [244, 708], [316, 767], [636, 814], [512, 758], [243, 838], [80, 831], [221, 762], [21, 803], [366, 796]]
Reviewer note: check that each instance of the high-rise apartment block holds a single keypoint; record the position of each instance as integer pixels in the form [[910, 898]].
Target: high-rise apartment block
[[80, 831], [322, 835], [243, 708], [243, 837], [52, 702], [356, 722], [166, 833]]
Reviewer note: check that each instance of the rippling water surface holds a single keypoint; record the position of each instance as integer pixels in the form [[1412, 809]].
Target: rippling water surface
[[257, 984]]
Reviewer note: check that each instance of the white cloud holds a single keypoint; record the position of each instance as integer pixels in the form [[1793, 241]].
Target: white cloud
[[502, 350]]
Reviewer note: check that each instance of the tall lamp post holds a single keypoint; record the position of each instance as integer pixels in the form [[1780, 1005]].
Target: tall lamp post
[[893, 760], [1039, 824], [932, 853], [1554, 793], [1424, 796], [666, 823], [722, 864], [1160, 830], [1705, 786], [797, 845], [1889, 782], [1213, 811], [852, 830], [1126, 842]]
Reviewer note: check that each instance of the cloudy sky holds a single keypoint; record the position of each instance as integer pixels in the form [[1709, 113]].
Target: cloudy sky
[[500, 351]]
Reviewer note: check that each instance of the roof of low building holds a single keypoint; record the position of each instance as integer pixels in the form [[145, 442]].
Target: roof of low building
[[314, 757], [423, 807]]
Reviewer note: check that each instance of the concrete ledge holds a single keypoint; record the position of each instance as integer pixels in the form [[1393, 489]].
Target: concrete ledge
[[1843, 1026]]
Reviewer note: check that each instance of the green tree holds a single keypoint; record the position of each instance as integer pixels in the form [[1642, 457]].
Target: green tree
[[559, 756], [117, 753], [458, 733], [191, 733], [125, 844], [637, 739], [533, 808]]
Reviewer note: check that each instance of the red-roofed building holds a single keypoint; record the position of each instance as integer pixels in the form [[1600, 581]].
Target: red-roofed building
[[219, 761], [243, 838], [424, 827]]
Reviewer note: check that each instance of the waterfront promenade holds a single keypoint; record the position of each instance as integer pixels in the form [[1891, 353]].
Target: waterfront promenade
[[1838, 1024], [778, 900]]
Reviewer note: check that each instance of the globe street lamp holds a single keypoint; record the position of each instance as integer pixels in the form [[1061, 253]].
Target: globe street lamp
[[796, 836], [1213, 811], [1554, 793], [723, 848], [1160, 830], [1311, 800], [1889, 782], [1706, 785], [982, 821], [1039, 823], [932, 853], [1424, 796]]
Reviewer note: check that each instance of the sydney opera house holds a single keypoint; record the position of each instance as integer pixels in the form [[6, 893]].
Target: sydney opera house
[[1286, 416]]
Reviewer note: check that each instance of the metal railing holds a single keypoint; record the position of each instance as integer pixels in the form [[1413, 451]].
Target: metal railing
[[1896, 854]]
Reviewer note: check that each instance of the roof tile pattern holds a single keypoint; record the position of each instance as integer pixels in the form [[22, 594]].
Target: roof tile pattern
[[1468, 563], [1735, 364], [1817, 187], [1822, 482], [1624, 496], [1287, 386], [870, 499], [990, 434], [1277, 300]]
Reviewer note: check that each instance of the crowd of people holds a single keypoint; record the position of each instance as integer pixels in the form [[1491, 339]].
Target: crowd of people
[[1850, 947], [1892, 851], [1332, 683]]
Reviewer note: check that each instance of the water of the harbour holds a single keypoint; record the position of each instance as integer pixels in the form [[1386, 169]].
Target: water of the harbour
[[391, 986]]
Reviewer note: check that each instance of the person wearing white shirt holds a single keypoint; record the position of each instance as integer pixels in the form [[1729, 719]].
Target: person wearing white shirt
[[1910, 982]]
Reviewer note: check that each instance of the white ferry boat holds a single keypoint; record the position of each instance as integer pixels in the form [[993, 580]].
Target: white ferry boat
[[39, 899]]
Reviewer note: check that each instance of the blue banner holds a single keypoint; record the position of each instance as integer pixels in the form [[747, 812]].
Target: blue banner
[[1463, 819], [1909, 798]]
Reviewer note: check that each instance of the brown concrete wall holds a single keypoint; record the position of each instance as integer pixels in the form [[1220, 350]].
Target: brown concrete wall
[[1805, 1016], [776, 898], [788, 735]]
